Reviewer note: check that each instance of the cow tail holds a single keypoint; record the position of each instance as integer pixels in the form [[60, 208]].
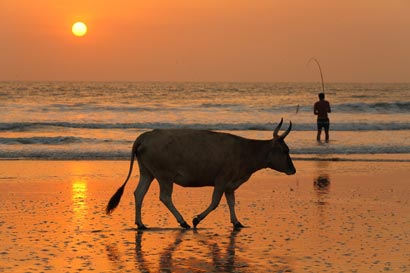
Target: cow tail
[[115, 199]]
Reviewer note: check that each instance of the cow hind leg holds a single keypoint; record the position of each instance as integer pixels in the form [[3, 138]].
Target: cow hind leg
[[216, 199], [230, 199], [165, 196], [139, 194]]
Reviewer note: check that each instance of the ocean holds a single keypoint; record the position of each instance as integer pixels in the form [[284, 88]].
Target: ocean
[[100, 120]]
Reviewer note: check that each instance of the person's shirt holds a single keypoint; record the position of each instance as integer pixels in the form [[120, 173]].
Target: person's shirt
[[321, 108]]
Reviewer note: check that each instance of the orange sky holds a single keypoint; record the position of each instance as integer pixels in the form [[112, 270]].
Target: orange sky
[[206, 40]]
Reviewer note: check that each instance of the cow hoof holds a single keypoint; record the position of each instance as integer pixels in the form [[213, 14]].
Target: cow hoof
[[185, 225], [142, 227], [195, 221], [238, 225]]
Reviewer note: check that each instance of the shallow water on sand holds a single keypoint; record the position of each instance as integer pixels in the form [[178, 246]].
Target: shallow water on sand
[[329, 217]]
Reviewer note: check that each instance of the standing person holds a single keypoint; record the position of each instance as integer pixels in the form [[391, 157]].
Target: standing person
[[321, 108]]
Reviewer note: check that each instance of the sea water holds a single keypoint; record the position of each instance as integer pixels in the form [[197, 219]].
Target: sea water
[[100, 120]]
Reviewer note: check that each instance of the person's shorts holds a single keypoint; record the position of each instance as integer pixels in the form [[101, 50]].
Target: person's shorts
[[323, 123]]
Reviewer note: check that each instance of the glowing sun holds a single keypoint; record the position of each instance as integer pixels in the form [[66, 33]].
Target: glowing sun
[[79, 29]]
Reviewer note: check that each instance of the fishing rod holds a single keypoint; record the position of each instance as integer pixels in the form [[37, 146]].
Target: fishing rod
[[320, 70], [321, 77]]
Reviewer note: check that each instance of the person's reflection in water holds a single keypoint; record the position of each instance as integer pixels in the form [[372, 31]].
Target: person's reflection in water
[[220, 262], [322, 187]]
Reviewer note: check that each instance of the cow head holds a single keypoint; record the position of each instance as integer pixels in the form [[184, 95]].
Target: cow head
[[279, 158]]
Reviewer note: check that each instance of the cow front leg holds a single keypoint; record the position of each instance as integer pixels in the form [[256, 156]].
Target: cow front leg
[[165, 196], [139, 194], [230, 199], [216, 198]]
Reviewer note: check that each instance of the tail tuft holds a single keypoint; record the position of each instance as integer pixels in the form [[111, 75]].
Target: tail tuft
[[115, 200]]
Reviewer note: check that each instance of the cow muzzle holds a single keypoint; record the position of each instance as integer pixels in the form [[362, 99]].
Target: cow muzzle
[[291, 171]]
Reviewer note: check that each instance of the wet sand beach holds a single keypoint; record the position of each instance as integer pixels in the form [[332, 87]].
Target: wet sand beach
[[329, 217]]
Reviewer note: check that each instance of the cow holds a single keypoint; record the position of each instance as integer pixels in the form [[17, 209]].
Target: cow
[[198, 158]]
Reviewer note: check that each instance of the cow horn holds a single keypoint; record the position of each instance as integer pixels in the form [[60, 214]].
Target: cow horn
[[275, 133], [287, 131]]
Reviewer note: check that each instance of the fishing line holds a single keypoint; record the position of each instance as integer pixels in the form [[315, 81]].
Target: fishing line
[[320, 70]]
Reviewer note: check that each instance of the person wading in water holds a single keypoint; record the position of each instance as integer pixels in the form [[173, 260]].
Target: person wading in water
[[321, 108]]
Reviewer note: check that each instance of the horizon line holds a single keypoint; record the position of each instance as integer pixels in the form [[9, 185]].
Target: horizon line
[[204, 81]]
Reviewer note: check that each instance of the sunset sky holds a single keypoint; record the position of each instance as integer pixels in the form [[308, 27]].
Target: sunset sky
[[206, 40]]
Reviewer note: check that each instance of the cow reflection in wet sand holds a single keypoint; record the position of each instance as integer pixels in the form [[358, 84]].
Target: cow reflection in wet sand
[[222, 261]]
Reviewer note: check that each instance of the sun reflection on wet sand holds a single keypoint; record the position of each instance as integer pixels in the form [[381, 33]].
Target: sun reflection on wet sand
[[79, 198], [79, 193]]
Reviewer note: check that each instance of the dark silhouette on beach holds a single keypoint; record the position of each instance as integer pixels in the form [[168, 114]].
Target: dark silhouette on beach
[[321, 109]]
